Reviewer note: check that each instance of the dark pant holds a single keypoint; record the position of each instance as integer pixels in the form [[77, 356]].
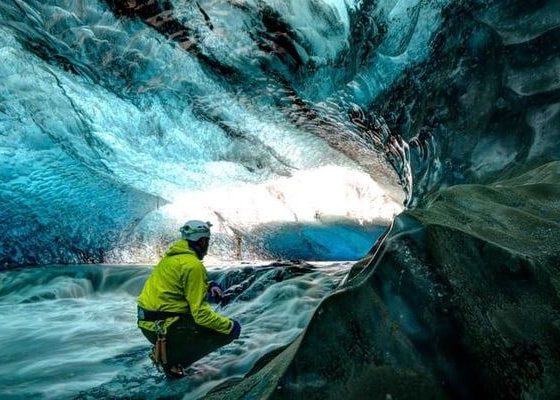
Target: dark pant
[[188, 342]]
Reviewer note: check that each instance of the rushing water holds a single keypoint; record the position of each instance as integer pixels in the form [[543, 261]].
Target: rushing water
[[70, 331]]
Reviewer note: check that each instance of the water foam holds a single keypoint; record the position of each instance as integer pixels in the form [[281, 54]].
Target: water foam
[[72, 330]]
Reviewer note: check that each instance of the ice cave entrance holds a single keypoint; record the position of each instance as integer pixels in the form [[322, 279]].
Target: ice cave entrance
[[329, 213]]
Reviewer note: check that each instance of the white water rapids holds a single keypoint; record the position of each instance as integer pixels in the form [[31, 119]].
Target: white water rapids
[[70, 331]]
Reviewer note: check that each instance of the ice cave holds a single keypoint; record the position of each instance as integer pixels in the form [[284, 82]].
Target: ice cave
[[382, 178]]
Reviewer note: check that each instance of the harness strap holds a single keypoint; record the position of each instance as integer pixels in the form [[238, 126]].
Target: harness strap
[[150, 315], [159, 351]]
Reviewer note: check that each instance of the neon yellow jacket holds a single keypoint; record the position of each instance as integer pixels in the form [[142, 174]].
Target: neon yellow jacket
[[179, 284]]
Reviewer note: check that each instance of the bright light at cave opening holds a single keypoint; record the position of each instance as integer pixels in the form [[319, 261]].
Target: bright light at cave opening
[[327, 213], [318, 195]]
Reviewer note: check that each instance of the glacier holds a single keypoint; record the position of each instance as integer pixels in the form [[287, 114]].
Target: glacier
[[99, 105], [418, 136]]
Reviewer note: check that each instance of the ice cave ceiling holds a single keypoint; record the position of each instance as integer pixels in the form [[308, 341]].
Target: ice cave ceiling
[[116, 121]]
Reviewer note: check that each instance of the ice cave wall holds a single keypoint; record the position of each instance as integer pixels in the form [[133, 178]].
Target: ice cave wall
[[461, 299], [105, 118]]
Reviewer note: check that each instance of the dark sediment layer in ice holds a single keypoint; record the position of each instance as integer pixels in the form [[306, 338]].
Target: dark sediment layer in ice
[[462, 300], [486, 103]]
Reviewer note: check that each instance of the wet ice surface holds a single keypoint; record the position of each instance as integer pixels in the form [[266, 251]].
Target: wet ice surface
[[70, 331]]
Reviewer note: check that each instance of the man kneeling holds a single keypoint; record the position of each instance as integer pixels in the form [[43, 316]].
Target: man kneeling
[[173, 312]]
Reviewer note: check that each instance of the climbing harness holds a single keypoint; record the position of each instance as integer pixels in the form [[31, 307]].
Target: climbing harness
[[158, 355], [153, 316]]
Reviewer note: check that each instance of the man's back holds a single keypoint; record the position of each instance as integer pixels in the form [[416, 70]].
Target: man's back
[[165, 288], [178, 284]]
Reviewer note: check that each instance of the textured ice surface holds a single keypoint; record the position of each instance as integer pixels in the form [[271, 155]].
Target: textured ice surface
[[107, 123], [104, 120]]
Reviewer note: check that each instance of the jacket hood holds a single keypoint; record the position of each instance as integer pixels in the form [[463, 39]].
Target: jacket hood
[[180, 247]]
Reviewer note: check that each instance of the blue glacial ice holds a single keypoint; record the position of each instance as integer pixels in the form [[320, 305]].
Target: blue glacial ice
[[105, 121]]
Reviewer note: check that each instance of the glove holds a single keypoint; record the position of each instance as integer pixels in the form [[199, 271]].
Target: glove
[[215, 293], [235, 331]]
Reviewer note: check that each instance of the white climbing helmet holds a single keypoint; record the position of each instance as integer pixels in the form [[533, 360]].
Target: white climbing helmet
[[194, 230]]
